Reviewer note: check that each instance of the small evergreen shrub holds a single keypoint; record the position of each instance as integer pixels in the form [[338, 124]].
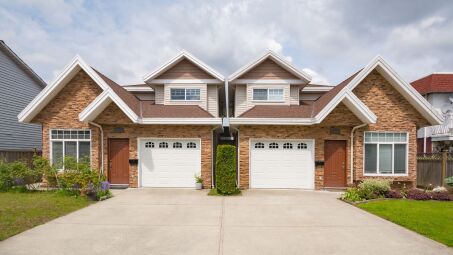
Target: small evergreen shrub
[[226, 170], [374, 188], [418, 194]]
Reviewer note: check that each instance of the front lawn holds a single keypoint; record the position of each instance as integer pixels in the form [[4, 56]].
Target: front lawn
[[22, 211], [433, 219]]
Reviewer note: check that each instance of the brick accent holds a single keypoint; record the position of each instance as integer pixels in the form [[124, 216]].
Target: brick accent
[[394, 113], [63, 110]]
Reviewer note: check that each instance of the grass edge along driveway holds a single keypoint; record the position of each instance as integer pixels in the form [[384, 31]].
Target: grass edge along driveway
[[22, 211], [433, 219]]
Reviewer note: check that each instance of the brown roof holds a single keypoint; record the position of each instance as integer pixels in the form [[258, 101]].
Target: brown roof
[[296, 111], [132, 101], [151, 110], [441, 82]]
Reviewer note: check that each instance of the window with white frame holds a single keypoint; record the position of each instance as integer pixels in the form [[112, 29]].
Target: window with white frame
[[70, 143], [259, 145], [273, 146], [268, 94], [385, 153], [191, 145], [184, 94], [287, 146], [302, 146], [177, 145], [163, 145]]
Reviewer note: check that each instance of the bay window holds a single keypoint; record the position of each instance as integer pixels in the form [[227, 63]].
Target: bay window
[[385, 153], [70, 143]]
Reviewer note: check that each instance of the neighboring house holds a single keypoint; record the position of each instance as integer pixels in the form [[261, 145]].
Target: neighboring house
[[365, 127], [437, 89], [290, 134], [19, 84]]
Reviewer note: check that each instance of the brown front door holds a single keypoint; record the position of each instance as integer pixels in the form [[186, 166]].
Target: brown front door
[[335, 163], [119, 161]]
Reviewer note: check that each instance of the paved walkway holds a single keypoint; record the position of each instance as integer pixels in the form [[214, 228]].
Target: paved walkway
[[185, 221]]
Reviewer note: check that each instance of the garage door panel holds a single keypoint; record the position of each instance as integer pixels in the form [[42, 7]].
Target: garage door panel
[[169, 167], [290, 167]]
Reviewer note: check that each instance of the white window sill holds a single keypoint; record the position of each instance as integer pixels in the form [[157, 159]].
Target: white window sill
[[182, 100], [387, 175], [267, 101]]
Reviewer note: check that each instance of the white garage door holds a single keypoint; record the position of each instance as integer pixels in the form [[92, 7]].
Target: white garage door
[[169, 162], [282, 164]]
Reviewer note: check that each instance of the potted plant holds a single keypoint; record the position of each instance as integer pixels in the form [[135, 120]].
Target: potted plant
[[198, 182]]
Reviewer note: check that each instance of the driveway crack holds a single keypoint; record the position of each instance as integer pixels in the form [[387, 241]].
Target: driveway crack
[[222, 213]]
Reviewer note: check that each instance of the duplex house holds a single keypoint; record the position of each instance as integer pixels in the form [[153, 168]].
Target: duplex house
[[290, 133]]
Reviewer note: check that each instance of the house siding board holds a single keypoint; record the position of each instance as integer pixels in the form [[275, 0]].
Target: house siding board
[[62, 112], [268, 70], [240, 99], [17, 90], [185, 70], [294, 95], [394, 113], [159, 94], [213, 100]]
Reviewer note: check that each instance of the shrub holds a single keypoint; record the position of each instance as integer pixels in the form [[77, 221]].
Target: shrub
[[393, 194], [226, 170], [440, 195], [49, 173], [449, 181], [418, 194], [374, 188], [17, 174], [351, 194]]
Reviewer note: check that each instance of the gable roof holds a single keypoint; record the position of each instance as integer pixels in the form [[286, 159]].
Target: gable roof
[[436, 82], [8, 51], [50, 91], [181, 56], [343, 92], [278, 60]]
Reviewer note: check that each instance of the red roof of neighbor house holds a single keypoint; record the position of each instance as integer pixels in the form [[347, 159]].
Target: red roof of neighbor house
[[296, 111], [436, 82]]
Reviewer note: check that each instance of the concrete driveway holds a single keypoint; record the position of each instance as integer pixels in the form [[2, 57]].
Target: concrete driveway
[[184, 221]]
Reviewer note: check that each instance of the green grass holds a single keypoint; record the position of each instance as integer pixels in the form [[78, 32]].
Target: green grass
[[433, 219], [22, 211]]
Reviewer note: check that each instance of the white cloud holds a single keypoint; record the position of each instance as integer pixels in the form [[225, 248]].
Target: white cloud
[[316, 78]]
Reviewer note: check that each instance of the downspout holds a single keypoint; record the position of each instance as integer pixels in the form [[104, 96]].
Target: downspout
[[226, 100], [352, 150], [102, 144]]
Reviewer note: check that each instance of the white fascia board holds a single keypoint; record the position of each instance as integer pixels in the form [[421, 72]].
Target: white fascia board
[[272, 121], [267, 81], [96, 107], [280, 60], [181, 121], [139, 89], [44, 97], [179, 57], [184, 81], [414, 98], [359, 108], [439, 138], [310, 89]]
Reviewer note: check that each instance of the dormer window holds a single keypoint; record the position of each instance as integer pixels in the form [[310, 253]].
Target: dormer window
[[275, 95], [184, 94]]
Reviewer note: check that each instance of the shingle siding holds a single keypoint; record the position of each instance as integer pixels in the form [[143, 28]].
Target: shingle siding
[[17, 89]]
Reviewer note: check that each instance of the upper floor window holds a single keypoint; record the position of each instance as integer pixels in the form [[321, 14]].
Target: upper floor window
[[385, 153], [184, 94], [268, 94]]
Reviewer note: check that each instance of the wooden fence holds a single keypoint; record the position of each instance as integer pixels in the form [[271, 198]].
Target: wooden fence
[[433, 168], [23, 156]]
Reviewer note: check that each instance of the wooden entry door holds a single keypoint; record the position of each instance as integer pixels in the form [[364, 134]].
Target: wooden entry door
[[335, 163], [119, 161]]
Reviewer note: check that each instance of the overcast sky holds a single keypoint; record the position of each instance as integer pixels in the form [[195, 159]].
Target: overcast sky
[[329, 39]]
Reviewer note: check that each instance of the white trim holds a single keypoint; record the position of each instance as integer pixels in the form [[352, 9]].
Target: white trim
[[50, 91], [184, 81], [177, 59], [272, 121], [309, 88], [184, 121], [185, 93], [278, 59], [268, 81], [138, 88], [267, 95], [414, 98]]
